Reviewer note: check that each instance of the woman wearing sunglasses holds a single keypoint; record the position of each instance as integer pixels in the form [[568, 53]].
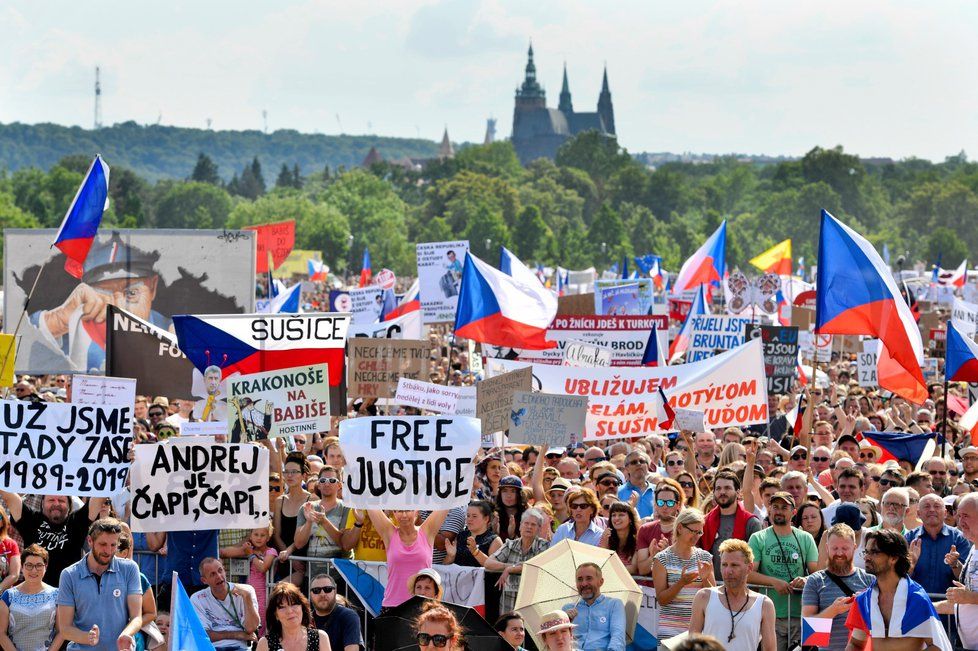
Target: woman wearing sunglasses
[[437, 628], [622, 534], [290, 624], [679, 571], [690, 489]]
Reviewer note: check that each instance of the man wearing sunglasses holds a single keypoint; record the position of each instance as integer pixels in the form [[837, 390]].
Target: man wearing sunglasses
[[728, 519], [637, 471], [821, 458], [607, 483], [323, 524], [341, 624]]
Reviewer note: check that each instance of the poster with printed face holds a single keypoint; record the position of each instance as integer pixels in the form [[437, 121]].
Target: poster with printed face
[[63, 448], [409, 462], [440, 276], [152, 274], [184, 486], [278, 403], [621, 297]]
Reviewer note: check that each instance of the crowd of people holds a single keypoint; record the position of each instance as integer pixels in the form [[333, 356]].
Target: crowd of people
[[741, 532]]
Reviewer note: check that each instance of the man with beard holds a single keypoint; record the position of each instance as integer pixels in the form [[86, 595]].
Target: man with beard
[[341, 624], [600, 619], [55, 528], [969, 461], [728, 519], [895, 611], [893, 509], [734, 613], [100, 600], [785, 555], [828, 593]]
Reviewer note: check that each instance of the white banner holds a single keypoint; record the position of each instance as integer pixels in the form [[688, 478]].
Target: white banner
[[439, 277], [63, 448], [427, 395], [409, 462], [407, 326], [190, 487], [712, 334], [103, 390], [584, 355], [729, 388], [965, 316], [866, 364], [278, 403]]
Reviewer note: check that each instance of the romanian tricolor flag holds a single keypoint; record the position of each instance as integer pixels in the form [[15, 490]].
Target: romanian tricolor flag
[[776, 260]]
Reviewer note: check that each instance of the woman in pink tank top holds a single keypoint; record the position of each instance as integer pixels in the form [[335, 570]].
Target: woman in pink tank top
[[408, 547]]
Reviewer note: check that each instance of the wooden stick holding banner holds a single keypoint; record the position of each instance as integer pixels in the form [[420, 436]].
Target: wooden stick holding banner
[[20, 321]]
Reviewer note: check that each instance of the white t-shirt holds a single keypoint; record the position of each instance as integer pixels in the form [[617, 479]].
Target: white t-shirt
[[224, 616], [967, 614]]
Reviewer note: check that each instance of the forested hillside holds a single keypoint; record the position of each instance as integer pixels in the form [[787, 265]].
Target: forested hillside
[[594, 205]]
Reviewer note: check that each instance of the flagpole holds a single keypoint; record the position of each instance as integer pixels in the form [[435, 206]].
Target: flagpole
[[947, 326], [20, 321]]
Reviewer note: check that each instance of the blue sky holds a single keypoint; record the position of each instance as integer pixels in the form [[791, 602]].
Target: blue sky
[[883, 78]]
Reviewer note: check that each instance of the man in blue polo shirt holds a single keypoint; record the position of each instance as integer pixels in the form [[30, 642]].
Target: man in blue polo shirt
[[637, 471], [930, 545], [600, 619], [100, 600]]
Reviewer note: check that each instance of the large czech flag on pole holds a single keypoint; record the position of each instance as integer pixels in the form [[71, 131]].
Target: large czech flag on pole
[[685, 334], [82, 220], [365, 272], [503, 310], [961, 363], [856, 295], [707, 265]]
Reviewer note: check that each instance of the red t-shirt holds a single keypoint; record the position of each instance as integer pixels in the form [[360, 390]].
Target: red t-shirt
[[8, 550], [651, 531]]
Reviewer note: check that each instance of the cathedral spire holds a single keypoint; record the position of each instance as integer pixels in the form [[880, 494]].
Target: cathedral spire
[[605, 108], [565, 106], [445, 150]]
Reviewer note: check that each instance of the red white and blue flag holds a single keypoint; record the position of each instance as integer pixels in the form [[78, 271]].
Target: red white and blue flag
[[318, 270], [899, 446], [856, 295], [707, 265], [285, 301], [912, 615], [365, 272], [961, 362], [816, 631], [503, 310], [952, 277], [84, 215], [683, 338], [410, 302], [654, 350]]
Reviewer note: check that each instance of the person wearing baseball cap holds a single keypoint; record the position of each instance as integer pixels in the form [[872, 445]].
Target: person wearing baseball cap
[[426, 583], [556, 631], [969, 461], [606, 483], [784, 556]]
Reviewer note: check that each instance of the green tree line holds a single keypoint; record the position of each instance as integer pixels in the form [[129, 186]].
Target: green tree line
[[593, 205]]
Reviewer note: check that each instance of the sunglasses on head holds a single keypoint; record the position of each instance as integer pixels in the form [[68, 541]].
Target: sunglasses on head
[[440, 641], [668, 503], [326, 588]]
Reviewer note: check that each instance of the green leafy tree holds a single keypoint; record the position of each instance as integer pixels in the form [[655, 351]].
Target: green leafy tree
[[205, 171], [597, 154], [285, 178], [486, 231], [13, 217], [191, 205], [531, 235], [608, 237], [494, 159], [947, 245]]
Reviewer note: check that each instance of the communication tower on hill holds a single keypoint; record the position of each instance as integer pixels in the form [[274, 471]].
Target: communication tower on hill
[[98, 99]]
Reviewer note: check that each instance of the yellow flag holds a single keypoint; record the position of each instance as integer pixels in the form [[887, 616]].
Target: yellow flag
[[776, 260], [8, 355]]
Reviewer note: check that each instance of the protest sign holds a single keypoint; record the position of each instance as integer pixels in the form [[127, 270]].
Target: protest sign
[[475, 358], [427, 395], [625, 336], [930, 369], [730, 388], [576, 304], [439, 277], [192, 486], [466, 405], [689, 420], [275, 240], [135, 348], [8, 354], [494, 398], [780, 354], [866, 364], [576, 282], [713, 334], [103, 390], [577, 353], [49, 448], [965, 316], [285, 402], [546, 419], [406, 326], [252, 343], [409, 462], [623, 297], [216, 428], [376, 365], [167, 272], [365, 304], [385, 279]]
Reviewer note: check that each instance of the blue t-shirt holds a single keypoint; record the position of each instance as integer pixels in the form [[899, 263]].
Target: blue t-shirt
[[100, 601]]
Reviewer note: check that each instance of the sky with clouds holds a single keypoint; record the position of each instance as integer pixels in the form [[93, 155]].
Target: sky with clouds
[[880, 77]]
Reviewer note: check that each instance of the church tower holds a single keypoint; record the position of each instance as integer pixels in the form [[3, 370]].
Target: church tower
[[605, 108], [565, 106], [531, 94]]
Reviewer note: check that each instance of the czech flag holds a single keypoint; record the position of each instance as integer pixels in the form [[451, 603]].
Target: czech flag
[[512, 266], [912, 615], [816, 631], [365, 273], [667, 415], [84, 215], [961, 362], [317, 270], [410, 302], [654, 350], [503, 310], [897, 446], [776, 260], [286, 301], [707, 265], [186, 630], [857, 296], [954, 278], [682, 340]]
